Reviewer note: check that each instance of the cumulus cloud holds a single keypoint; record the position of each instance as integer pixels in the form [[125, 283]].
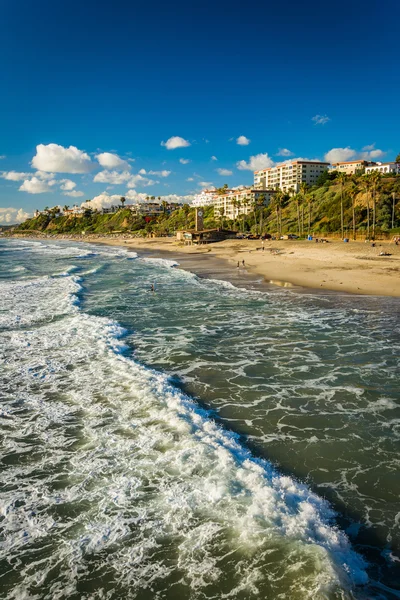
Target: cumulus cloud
[[345, 154], [205, 184], [138, 179], [340, 154], [105, 200], [184, 161], [112, 161], [36, 186], [242, 140], [15, 175], [74, 194], [370, 152], [190, 179], [13, 215], [284, 152], [320, 119], [57, 159], [163, 173], [225, 172], [214, 158], [67, 184], [257, 162], [113, 177], [175, 142]]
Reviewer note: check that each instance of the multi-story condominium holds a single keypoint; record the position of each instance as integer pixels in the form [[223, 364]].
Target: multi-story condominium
[[289, 175], [205, 198], [240, 202], [351, 167], [389, 167], [148, 209]]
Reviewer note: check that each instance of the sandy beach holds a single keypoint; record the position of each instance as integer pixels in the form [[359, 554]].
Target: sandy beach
[[354, 267]]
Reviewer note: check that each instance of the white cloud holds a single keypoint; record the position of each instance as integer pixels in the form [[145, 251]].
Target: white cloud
[[163, 173], [36, 186], [102, 200], [113, 177], [284, 152], [242, 140], [74, 194], [225, 172], [136, 180], [320, 119], [13, 215], [43, 175], [369, 147], [15, 175], [67, 184], [205, 184], [214, 158], [340, 154], [373, 153], [184, 161], [175, 142], [257, 162], [3, 156], [190, 179], [112, 161], [57, 159]]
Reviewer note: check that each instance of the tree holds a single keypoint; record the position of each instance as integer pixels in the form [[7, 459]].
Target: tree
[[298, 200], [122, 200], [367, 188], [310, 199], [375, 179], [278, 197], [222, 190], [164, 205], [352, 192], [341, 179], [397, 159]]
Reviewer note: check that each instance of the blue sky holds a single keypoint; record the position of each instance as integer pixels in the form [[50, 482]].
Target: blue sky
[[121, 78]]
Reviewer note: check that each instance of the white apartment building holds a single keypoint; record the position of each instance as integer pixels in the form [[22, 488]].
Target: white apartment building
[[389, 167], [351, 167], [289, 175], [240, 202], [205, 198]]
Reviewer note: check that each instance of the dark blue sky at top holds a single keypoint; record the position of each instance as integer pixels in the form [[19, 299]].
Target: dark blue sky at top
[[123, 76]]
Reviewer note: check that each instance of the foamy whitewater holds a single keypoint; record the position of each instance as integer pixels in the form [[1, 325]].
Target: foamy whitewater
[[197, 442]]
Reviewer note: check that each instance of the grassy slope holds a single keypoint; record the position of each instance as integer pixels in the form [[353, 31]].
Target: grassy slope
[[325, 215]]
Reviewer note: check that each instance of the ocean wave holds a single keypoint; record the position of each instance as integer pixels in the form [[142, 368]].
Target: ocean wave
[[145, 472]]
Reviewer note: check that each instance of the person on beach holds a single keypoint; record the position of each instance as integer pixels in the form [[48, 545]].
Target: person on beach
[[238, 265], [243, 263]]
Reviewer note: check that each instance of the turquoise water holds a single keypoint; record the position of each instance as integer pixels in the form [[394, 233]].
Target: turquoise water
[[201, 441]]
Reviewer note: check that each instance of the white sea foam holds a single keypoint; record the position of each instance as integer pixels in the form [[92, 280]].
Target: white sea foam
[[144, 471]]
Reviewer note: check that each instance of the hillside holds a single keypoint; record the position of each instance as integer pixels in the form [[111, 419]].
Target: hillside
[[317, 210]]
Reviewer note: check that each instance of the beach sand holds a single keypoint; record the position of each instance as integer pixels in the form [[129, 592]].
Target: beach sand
[[353, 267]]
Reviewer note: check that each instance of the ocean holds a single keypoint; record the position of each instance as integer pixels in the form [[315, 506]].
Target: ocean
[[202, 441]]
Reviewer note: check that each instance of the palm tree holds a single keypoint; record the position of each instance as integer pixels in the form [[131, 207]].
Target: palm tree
[[298, 200], [310, 199], [352, 192], [304, 187], [341, 178], [122, 200], [367, 188], [164, 205], [375, 179], [278, 203]]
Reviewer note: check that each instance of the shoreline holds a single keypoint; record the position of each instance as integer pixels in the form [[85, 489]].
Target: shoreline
[[353, 268]]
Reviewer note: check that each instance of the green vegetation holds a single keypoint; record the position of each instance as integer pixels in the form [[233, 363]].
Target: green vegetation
[[364, 204]]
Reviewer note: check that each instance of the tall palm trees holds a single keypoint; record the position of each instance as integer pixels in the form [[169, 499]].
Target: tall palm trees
[[367, 188], [375, 180], [352, 192], [278, 196], [122, 200], [310, 199], [304, 187], [341, 178]]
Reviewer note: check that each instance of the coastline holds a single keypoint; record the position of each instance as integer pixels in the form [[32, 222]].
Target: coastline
[[354, 267]]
